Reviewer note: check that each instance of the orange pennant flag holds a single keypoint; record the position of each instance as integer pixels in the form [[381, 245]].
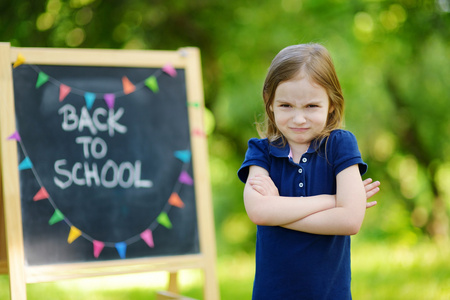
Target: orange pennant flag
[[73, 234], [175, 200], [42, 194], [128, 87], [64, 90]]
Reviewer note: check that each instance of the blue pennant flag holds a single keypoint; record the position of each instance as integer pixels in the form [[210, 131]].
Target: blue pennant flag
[[183, 155], [122, 249], [25, 164], [90, 98]]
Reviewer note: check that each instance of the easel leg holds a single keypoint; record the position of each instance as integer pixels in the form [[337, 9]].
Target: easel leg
[[173, 282]]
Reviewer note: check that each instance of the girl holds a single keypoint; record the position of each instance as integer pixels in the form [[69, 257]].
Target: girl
[[303, 181]]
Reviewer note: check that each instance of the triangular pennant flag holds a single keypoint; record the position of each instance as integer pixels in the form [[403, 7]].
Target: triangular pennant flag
[[98, 247], [170, 70], [152, 84], [199, 132], [194, 104], [175, 200], [121, 249], [185, 178], [20, 60], [90, 98], [15, 136], [183, 155], [147, 236], [109, 99], [42, 78], [164, 220], [25, 164], [41, 194], [64, 90], [128, 87], [73, 234], [56, 217]]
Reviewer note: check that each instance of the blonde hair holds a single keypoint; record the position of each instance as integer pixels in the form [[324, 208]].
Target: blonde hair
[[315, 62]]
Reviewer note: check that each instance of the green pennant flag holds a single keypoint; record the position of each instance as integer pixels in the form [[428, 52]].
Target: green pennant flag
[[42, 78], [57, 217], [152, 84], [164, 220]]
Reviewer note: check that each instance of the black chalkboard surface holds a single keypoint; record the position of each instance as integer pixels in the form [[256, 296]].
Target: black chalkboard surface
[[102, 150]]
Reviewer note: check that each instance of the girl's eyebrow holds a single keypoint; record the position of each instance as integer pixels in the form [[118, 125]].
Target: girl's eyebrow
[[281, 100]]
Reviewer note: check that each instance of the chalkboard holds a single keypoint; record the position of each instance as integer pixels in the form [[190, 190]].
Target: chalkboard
[[104, 164], [110, 170]]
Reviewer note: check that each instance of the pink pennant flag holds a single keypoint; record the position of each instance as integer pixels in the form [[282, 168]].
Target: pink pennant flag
[[109, 99], [185, 178], [175, 200], [41, 194], [147, 236], [15, 136], [64, 90], [98, 247], [170, 70]]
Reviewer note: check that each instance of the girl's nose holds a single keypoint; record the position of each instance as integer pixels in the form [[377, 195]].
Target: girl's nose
[[299, 118]]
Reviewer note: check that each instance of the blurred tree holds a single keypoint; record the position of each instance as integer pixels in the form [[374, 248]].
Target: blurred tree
[[392, 58]]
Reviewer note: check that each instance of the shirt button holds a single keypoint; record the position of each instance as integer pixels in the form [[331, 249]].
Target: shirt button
[[300, 171], [304, 159], [300, 184]]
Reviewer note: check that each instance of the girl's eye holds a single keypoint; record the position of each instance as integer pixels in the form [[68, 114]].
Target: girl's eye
[[285, 105], [313, 105]]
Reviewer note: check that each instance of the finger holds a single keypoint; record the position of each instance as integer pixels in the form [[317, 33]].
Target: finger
[[371, 204], [259, 189], [372, 186], [372, 192], [367, 181]]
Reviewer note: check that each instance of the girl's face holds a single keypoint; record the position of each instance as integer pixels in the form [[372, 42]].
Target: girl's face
[[300, 109]]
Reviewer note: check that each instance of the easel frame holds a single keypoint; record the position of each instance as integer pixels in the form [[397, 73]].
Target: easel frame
[[20, 274]]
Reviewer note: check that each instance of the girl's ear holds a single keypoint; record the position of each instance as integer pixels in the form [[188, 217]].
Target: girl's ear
[[331, 108]]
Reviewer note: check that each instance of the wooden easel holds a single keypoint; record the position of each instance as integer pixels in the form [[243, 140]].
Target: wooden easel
[[12, 258]]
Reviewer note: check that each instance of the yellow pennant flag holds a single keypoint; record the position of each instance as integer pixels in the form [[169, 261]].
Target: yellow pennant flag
[[73, 234], [20, 60]]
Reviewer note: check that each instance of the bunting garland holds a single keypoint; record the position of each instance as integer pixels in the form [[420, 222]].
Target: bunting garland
[[183, 155], [147, 235], [128, 87]]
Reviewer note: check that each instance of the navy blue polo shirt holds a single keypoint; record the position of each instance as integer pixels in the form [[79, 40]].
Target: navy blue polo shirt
[[292, 264]]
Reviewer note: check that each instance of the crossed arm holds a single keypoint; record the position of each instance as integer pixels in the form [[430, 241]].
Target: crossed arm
[[340, 214]]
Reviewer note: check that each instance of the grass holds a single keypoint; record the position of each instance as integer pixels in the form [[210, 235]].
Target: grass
[[380, 271]]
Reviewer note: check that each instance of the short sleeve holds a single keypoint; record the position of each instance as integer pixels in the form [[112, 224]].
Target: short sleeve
[[342, 148], [257, 155]]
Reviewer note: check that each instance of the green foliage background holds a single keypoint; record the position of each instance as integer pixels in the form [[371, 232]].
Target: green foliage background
[[392, 58]]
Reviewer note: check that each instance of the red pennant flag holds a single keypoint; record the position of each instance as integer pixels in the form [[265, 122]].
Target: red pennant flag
[[64, 90], [42, 194], [175, 200], [128, 87], [199, 132]]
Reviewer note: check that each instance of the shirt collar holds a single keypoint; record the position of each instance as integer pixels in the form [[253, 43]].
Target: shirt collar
[[278, 150]]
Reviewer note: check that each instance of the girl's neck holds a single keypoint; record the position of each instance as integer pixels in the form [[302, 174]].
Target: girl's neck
[[296, 151]]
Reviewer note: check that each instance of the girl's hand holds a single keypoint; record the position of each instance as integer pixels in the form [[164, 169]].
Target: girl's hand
[[264, 185], [371, 189]]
